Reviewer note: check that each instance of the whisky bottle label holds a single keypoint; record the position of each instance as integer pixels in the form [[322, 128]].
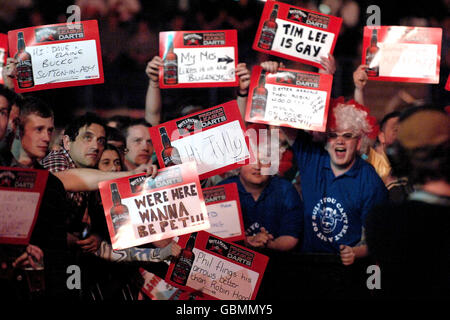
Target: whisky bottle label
[[24, 71], [170, 71], [182, 269], [267, 37], [259, 101]]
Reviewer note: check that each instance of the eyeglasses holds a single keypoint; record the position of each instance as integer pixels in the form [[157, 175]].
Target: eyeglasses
[[346, 135]]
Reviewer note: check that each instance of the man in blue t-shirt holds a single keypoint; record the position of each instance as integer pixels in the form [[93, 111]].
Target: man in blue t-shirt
[[338, 187], [271, 207]]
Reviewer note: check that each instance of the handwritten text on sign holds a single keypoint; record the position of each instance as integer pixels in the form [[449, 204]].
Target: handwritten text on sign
[[220, 278], [301, 41], [67, 61], [162, 212], [224, 219], [205, 64], [214, 148], [408, 60], [298, 106], [17, 212]]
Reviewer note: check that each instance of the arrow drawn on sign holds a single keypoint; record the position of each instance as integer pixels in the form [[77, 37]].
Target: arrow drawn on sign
[[226, 59]]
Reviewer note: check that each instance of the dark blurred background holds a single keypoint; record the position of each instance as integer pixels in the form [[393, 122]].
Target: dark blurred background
[[129, 39]]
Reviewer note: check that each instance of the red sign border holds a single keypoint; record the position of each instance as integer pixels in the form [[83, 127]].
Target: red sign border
[[260, 261], [231, 193], [90, 28], [325, 80], [433, 33], [231, 111], [230, 40], [41, 182], [334, 27]]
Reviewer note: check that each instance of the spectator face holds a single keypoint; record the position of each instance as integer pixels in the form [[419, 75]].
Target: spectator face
[[251, 173], [36, 136], [110, 161], [389, 133], [139, 145], [88, 146], [4, 115], [342, 146]]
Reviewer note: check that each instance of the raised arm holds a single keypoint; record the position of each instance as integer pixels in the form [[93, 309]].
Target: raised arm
[[86, 179], [360, 81], [153, 102], [106, 252], [244, 82]]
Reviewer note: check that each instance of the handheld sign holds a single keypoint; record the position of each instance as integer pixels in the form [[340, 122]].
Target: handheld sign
[[56, 56], [217, 268], [3, 54], [195, 59], [21, 192], [224, 212], [289, 98], [213, 138], [156, 288], [141, 210], [296, 34], [402, 54]]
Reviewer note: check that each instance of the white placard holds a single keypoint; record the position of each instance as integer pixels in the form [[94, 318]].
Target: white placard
[[224, 219], [214, 148], [397, 59], [301, 41], [68, 61], [206, 64], [17, 212], [295, 105], [220, 278]]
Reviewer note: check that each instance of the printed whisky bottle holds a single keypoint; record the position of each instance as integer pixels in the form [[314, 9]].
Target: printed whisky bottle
[[170, 155], [171, 67], [24, 65], [268, 30], [119, 212], [372, 50], [184, 262], [259, 98]]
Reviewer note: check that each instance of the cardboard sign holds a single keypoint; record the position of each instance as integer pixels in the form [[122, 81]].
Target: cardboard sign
[[224, 212], [195, 59], [3, 54], [56, 56], [402, 54], [21, 192], [295, 33], [213, 138], [156, 288], [141, 210], [289, 98], [217, 268]]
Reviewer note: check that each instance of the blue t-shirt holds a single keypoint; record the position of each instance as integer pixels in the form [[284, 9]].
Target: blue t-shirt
[[334, 207], [278, 209]]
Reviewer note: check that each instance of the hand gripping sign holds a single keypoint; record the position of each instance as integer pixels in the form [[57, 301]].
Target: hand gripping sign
[[141, 210], [403, 54], [195, 59], [289, 98], [56, 56], [296, 34], [216, 269], [213, 138], [224, 212], [21, 192]]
